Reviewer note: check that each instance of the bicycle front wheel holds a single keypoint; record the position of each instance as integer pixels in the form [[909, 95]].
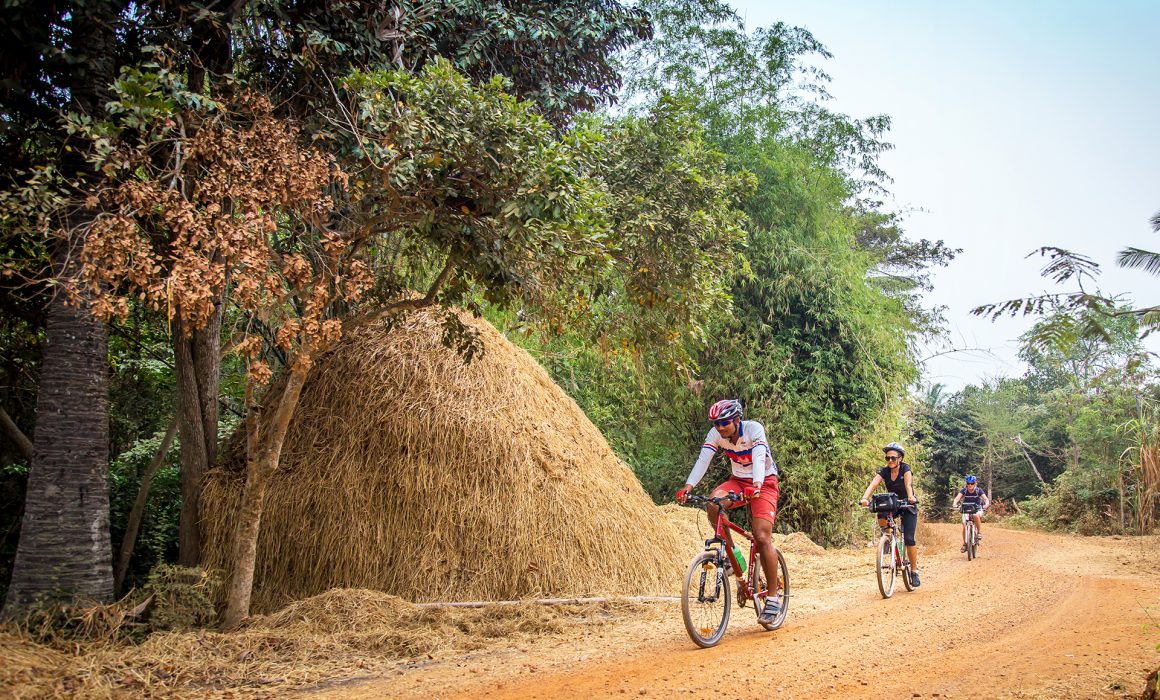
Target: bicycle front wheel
[[886, 566], [762, 591], [972, 533], [705, 600]]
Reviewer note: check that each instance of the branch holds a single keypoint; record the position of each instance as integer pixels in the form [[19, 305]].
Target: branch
[[1019, 441], [129, 542], [429, 299], [18, 438]]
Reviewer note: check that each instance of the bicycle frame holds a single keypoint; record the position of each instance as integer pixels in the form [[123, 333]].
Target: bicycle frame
[[706, 628], [890, 528], [897, 561], [723, 535], [970, 530]]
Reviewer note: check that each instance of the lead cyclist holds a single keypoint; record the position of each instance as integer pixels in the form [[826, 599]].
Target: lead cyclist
[[754, 475]]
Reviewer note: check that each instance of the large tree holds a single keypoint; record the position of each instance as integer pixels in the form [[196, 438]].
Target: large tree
[[63, 58]]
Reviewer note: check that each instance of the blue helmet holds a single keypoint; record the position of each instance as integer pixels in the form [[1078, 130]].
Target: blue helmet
[[971, 478]]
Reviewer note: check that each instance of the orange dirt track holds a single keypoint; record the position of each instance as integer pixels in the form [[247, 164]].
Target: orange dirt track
[[1036, 615]]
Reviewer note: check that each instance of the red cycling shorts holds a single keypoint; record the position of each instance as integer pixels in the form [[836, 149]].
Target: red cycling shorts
[[765, 507]]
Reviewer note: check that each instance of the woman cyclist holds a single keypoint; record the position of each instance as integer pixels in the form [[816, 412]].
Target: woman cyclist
[[897, 477], [974, 494]]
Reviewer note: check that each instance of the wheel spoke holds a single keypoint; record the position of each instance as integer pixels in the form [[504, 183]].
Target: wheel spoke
[[705, 599]]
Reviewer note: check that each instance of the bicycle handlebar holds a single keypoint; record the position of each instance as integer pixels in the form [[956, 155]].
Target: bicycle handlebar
[[901, 506], [732, 497]]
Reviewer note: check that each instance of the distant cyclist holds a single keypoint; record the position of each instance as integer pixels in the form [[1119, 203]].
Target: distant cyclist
[[898, 480], [973, 493], [754, 475]]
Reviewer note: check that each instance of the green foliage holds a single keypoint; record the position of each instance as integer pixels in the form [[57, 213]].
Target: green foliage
[[1079, 416], [450, 174], [953, 436], [675, 234], [157, 538], [1077, 502], [1083, 314], [556, 53]]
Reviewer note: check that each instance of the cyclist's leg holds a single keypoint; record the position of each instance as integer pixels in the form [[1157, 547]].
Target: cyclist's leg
[[762, 538], [764, 511], [909, 525], [720, 490], [978, 522]]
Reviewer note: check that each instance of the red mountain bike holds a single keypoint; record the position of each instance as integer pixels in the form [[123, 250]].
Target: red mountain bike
[[706, 597]]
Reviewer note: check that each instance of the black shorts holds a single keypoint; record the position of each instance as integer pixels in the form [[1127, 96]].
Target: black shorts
[[909, 519]]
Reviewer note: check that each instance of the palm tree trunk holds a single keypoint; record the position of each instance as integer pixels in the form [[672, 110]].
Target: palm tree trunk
[[64, 551]]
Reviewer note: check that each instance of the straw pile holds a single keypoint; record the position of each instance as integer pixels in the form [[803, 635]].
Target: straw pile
[[409, 472], [339, 634]]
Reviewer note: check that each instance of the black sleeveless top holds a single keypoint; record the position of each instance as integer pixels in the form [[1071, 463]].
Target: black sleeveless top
[[897, 486]]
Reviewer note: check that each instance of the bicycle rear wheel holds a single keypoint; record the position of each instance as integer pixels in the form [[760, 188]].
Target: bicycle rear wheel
[[886, 566], [761, 591], [705, 600]]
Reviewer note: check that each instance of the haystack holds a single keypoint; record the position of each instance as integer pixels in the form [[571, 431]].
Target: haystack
[[410, 472]]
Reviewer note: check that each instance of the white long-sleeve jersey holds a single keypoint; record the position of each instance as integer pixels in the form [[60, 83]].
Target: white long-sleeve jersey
[[749, 453]]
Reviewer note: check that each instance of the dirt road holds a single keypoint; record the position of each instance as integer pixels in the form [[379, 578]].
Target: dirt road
[[1035, 615]]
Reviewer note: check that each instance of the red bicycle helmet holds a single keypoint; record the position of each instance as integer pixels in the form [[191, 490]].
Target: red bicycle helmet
[[725, 409]]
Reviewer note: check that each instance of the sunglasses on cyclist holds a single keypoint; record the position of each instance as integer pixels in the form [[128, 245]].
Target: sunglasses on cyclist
[[892, 459], [722, 423]]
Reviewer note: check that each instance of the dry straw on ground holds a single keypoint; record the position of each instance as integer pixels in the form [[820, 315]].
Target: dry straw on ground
[[339, 634], [410, 472]]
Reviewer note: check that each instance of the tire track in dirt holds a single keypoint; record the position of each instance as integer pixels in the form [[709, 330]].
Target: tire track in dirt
[[1035, 615]]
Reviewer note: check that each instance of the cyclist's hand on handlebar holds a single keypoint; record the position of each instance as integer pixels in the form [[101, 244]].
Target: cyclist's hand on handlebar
[[912, 501], [751, 493], [683, 495], [865, 502]]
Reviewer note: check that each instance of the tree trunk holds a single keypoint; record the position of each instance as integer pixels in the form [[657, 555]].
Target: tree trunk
[[138, 512], [990, 474], [64, 551], [198, 350], [264, 451], [197, 365], [1120, 474], [1023, 446]]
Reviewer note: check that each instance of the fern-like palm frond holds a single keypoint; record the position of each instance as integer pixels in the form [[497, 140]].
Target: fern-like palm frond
[[1065, 264], [1137, 258]]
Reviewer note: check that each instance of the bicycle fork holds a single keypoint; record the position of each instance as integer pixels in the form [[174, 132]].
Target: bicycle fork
[[705, 568]]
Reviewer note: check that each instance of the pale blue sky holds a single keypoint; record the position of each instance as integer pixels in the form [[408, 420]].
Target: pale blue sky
[[1016, 125]]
